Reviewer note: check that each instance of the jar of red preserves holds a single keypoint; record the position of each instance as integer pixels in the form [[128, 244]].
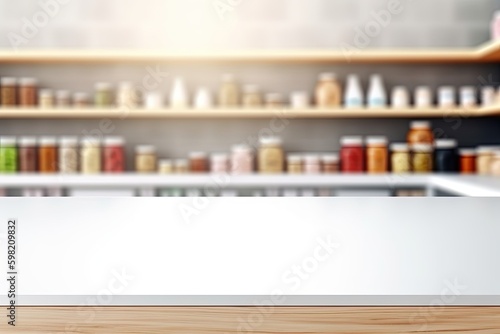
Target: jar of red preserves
[[114, 155], [352, 154]]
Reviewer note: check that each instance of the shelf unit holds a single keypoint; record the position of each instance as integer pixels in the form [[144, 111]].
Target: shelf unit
[[74, 113], [488, 52]]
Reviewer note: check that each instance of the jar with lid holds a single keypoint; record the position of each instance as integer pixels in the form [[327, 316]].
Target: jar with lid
[[103, 95], [145, 159], [91, 161], [46, 98], [420, 133], [8, 155], [328, 91], [229, 93], [352, 154], [483, 160], [114, 155], [127, 96], [331, 163], [166, 166], [63, 99], [447, 97], [423, 97], [68, 155], [252, 98], [468, 97], [312, 164], [80, 100], [219, 163], [446, 157], [203, 99], [27, 155], [271, 155], [274, 100], [400, 158], [495, 164], [377, 155], [300, 100], [422, 160], [47, 155], [400, 97], [181, 166], [467, 161], [294, 164], [153, 100], [8, 89], [198, 162], [28, 92], [488, 96], [242, 159]]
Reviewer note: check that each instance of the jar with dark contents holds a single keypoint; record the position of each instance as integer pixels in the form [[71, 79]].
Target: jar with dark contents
[[331, 163], [114, 155], [8, 90], [198, 162], [468, 161], [446, 156], [28, 155], [352, 154], [420, 133], [28, 92], [47, 155]]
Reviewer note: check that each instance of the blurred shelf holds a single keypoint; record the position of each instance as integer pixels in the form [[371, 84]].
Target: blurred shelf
[[489, 52], [454, 184], [73, 113]]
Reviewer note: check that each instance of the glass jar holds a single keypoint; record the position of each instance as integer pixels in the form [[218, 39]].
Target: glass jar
[[166, 166], [68, 155], [252, 98], [420, 133], [422, 160], [400, 158], [47, 155], [468, 97], [328, 91], [300, 100], [446, 98], [352, 154], [8, 155], [274, 100], [295, 164], [377, 155], [91, 161], [219, 163], [145, 159], [400, 97], [181, 166], [229, 93], [114, 155], [495, 164], [423, 97], [483, 160], [331, 163], [81, 100], [27, 155], [312, 164], [242, 159], [63, 99], [198, 162], [445, 156], [468, 161], [8, 89], [28, 92], [271, 155], [127, 96], [153, 100], [46, 98], [103, 95]]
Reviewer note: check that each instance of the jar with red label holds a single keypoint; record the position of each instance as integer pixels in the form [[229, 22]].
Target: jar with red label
[[352, 154], [114, 155]]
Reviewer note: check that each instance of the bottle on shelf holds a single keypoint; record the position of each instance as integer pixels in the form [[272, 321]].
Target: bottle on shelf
[[377, 96], [354, 93], [179, 96]]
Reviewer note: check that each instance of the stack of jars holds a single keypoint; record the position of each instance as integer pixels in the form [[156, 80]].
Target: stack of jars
[[67, 155]]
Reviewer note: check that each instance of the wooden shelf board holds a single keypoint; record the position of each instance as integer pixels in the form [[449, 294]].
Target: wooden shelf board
[[89, 113]]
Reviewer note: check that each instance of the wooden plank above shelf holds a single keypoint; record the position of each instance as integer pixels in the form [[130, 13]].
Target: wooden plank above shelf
[[489, 52], [92, 113]]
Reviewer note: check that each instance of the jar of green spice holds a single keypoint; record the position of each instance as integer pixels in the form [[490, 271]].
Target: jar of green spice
[[8, 155], [103, 95]]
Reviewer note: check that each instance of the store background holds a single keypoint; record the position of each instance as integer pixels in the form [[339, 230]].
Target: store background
[[195, 24]]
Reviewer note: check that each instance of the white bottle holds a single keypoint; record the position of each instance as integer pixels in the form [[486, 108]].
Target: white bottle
[[203, 99], [354, 93], [179, 95], [377, 97]]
